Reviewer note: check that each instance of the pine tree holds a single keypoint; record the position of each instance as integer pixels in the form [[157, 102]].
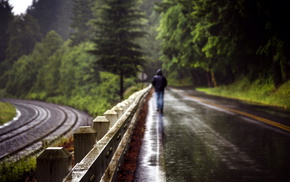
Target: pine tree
[[24, 33], [118, 28], [6, 16], [52, 15], [82, 14]]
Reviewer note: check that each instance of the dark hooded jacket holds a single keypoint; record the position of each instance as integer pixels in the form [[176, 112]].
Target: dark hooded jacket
[[159, 82]]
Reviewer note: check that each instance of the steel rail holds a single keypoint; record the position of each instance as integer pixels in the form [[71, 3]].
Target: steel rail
[[48, 122]]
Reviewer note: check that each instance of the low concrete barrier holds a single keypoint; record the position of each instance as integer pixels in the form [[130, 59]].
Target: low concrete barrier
[[112, 134]]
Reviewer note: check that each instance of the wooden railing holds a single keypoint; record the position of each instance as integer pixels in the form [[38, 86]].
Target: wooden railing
[[99, 149]]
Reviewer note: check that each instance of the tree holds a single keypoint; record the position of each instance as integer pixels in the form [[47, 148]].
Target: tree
[[118, 27], [235, 38], [148, 6], [181, 47], [276, 42], [82, 14], [150, 45], [24, 33], [25, 71], [52, 15], [6, 16]]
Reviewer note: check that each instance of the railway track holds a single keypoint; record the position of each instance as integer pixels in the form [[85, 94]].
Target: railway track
[[37, 122]]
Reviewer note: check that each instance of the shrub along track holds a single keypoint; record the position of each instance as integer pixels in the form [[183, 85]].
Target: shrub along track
[[37, 122]]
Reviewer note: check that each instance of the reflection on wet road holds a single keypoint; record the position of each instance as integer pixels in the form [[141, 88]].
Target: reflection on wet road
[[197, 141], [151, 154]]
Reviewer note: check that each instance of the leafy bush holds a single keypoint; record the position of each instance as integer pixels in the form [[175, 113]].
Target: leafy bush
[[133, 89], [15, 171], [58, 73]]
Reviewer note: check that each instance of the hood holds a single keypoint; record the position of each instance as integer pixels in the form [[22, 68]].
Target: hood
[[159, 72]]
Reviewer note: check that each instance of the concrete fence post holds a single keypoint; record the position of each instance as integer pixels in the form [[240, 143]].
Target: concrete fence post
[[112, 116], [132, 99], [101, 125], [53, 164], [123, 105], [84, 140], [118, 110]]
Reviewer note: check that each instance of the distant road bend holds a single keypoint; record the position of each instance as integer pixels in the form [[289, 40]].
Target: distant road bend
[[36, 121]]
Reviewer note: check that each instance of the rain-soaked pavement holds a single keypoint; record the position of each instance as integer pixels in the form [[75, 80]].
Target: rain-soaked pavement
[[209, 139]]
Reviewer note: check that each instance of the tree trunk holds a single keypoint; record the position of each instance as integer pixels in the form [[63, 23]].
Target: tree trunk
[[277, 74], [230, 75], [208, 79], [285, 68], [121, 86], [213, 79]]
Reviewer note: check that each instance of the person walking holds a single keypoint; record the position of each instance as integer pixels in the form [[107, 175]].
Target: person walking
[[159, 83]]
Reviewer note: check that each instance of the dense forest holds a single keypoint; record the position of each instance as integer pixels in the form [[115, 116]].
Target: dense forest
[[71, 51], [226, 40], [46, 53]]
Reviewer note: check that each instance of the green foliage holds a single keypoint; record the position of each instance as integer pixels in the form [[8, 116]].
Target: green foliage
[[51, 43], [117, 29], [180, 54], [284, 90], [23, 74], [15, 171], [148, 6], [56, 71], [6, 17], [262, 91], [94, 98], [132, 89], [52, 15], [215, 36], [82, 15], [178, 79], [68, 78], [7, 112], [24, 33], [18, 82], [150, 45]]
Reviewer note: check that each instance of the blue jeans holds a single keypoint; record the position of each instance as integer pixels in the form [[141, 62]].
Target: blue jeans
[[159, 100]]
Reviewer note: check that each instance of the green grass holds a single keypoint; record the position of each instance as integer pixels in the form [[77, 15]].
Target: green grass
[[10, 170], [7, 112], [258, 91]]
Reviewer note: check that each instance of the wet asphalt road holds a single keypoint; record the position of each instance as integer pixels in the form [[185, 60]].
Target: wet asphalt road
[[211, 139]]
